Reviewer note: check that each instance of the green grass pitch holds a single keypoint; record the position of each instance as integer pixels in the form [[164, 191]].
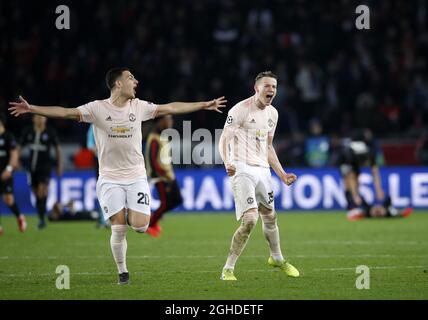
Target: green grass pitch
[[186, 261]]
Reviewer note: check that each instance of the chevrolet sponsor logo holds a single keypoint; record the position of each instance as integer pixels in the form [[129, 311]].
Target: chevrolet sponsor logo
[[120, 129]]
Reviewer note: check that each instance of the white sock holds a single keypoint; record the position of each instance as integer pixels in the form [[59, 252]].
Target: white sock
[[231, 261], [271, 232], [118, 246]]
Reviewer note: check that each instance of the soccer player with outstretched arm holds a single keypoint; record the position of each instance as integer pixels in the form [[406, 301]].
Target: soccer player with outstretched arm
[[122, 188], [247, 152]]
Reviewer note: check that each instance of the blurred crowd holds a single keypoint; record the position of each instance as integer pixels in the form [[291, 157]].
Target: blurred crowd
[[183, 50]]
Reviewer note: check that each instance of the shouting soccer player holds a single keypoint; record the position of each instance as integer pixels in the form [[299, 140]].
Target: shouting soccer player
[[122, 187], [249, 131]]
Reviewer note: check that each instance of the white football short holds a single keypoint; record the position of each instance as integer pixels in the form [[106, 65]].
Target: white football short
[[251, 185], [114, 196]]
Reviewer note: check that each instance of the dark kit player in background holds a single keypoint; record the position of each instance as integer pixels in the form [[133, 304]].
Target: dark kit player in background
[[358, 151], [41, 139], [8, 162], [161, 173]]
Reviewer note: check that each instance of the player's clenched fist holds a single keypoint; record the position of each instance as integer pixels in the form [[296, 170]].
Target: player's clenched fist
[[289, 178], [230, 169]]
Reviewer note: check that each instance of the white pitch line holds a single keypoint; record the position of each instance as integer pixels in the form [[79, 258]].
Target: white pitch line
[[374, 267], [358, 242], [291, 243], [8, 275], [111, 273], [306, 242]]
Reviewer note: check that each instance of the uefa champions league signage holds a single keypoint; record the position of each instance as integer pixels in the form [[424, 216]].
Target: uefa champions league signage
[[210, 190]]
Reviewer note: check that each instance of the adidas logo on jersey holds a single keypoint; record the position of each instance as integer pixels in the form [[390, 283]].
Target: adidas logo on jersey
[[253, 121], [108, 118]]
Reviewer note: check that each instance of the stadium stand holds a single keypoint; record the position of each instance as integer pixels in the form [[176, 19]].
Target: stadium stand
[[190, 50]]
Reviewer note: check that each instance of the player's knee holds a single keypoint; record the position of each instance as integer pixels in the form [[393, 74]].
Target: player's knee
[[268, 217], [140, 228], [8, 200], [249, 219], [42, 190]]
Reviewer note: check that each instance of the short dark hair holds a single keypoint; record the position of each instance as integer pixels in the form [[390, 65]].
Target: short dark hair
[[112, 75], [264, 74]]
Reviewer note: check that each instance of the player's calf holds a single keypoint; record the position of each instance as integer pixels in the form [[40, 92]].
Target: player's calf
[[240, 238], [119, 247], [271, 232]]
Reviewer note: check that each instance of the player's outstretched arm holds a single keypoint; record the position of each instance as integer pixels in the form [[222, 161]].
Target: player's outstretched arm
[[22, 107], [287, 178], [188, 107]]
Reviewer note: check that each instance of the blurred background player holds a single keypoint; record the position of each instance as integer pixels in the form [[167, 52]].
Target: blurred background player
[[358, 151], [68, 212], [382, 210], [248, 132], [41, 139], [8, 162], [161, 173]]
